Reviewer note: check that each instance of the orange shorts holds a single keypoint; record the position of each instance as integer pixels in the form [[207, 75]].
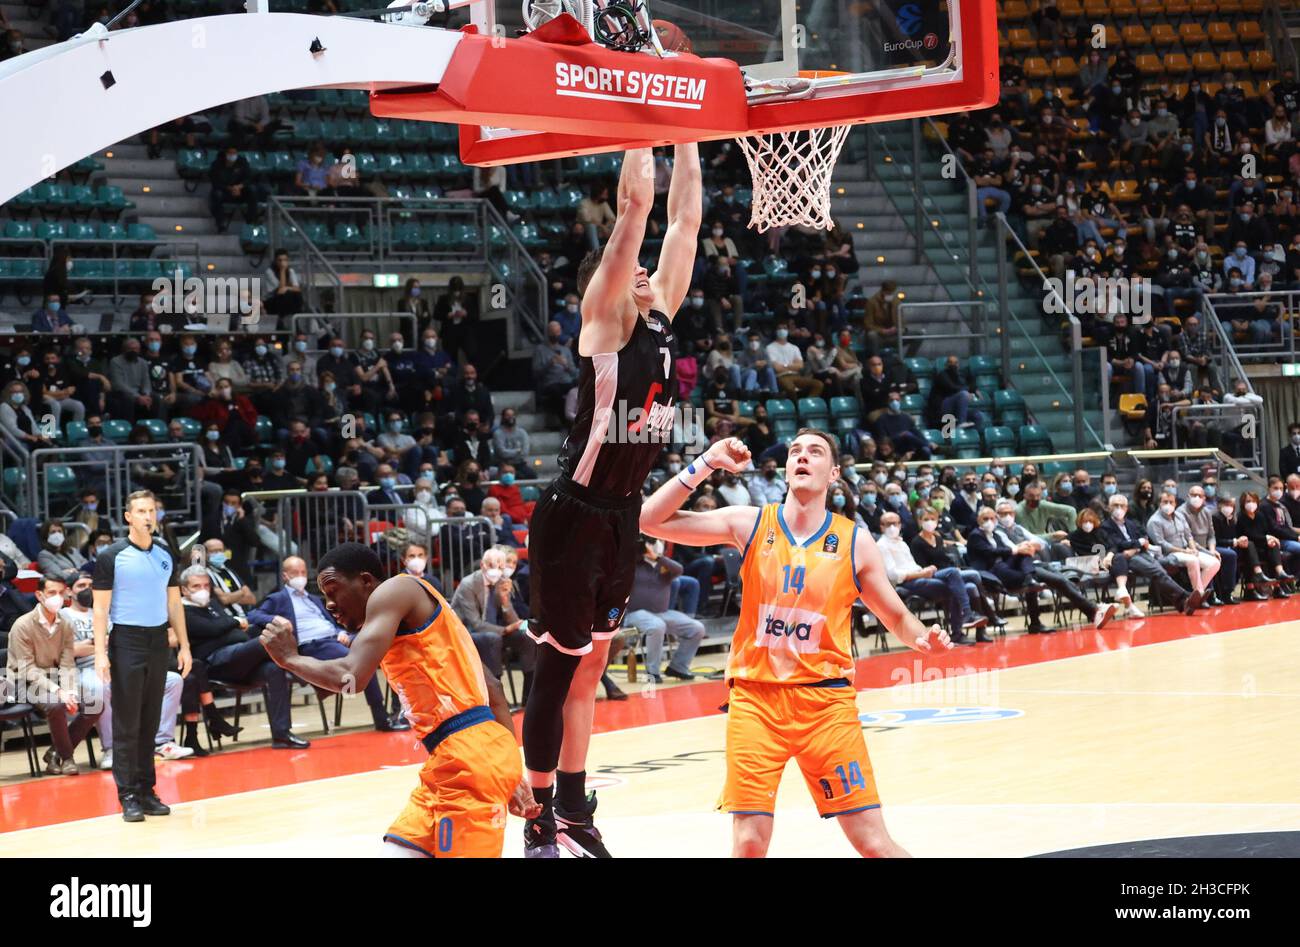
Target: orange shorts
[[459, 809], [767, 724]]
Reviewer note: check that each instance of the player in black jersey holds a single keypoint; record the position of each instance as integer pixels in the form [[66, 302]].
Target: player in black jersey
[[584, 533]]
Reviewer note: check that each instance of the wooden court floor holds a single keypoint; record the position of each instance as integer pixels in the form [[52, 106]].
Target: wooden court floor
[[1036, 744]]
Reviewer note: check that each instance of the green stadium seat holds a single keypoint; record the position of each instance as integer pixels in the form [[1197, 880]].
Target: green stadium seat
[[19, 230], [813, 412], [60, 480], [253, 238], [76, 433], [191, 428], [112, 230], [14, 481], [914, 404], [142, 233], [934, 438], [1034, 439], [529, 494], [157, 429], [52, 197], [192, 163], [52, 230], [966, 443], [117, 430], [109, 199], [327, 465], [999, 440], [82, 231], [82, 198], [1009, 408], [265, 431]]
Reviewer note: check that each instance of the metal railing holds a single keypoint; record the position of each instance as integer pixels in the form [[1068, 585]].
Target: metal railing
[[1258, 308], [308, 523], [972, 205], [1242, 423], [115, 471], [444, 234], [1189, 461], [1084, 434], [285, 231], [349, 326], [910, 343]]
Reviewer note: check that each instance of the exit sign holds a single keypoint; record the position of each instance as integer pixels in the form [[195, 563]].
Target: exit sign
[[386, 279]]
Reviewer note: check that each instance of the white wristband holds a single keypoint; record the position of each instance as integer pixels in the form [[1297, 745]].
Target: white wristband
[[695, 473]]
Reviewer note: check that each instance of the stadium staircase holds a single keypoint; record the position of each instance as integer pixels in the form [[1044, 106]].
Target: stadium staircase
[[1040, 361]]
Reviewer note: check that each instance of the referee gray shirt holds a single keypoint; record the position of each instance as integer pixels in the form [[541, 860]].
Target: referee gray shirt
[[139, 579]]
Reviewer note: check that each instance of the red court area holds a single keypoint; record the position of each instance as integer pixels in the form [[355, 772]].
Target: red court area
[[48, 801]]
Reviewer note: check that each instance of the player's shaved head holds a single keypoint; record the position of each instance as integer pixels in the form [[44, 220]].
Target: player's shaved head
[[347, 574]]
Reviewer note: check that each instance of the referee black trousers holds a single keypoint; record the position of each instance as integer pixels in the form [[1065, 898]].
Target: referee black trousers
[[138, 658]]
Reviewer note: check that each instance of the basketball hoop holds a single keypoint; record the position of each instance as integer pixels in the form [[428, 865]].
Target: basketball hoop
[[792, 170]]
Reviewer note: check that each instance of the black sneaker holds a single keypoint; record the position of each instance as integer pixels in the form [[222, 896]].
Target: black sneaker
[[152, 805], [539, 839], [680, 675], [132, 810], [577, 832]]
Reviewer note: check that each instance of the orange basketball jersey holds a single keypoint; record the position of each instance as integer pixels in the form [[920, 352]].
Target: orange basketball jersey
[[796, 607], [435, 670]]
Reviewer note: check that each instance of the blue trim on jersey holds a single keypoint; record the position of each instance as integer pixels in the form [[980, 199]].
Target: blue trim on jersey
[[832, 815], [780, 518], [437, 610], [406, 843], [462, 721], [758, 519], [853, 558]]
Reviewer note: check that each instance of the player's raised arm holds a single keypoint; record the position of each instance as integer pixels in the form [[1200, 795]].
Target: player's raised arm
[[605, 295], [349, 674], [663, 517], [672, 279], [880, 597]]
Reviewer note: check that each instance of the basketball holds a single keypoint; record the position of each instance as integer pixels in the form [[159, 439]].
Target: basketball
[[671, 37]]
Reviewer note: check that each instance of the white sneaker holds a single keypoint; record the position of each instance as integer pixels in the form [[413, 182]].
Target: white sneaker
[[106, 761], [1134, 612], [170, 751], [1104, 614]]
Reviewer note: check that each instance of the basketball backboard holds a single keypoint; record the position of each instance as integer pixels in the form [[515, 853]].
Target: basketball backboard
[[759, 65]]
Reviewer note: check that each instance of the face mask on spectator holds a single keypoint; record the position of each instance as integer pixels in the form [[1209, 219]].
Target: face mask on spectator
[[895, 499], [300, 345], [782, 334], [893, 530], [423, 496], [1066, 488], [674, 467], [1118, 514], [1196, 502], [298, 583], [987, 525], [388, 483], [86, 598], [1007, 521], [218, 559], [929, 526], [1251, 506], [368, 344], [1275, 495], [1167, 509], [869, 499], [507, 479], [880, 479], [416, 565], [1087, 527], [55, 540], [336, 351], [259, 350], [1013, 489], [895, 405], [492, 575], [838, 501], [201, 597], [697, 302]]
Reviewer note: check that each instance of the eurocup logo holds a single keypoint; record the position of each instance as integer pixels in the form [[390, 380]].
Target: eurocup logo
[[930, 41], [909, 19]]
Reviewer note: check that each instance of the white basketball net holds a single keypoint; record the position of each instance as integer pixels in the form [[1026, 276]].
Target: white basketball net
[[792, 176]]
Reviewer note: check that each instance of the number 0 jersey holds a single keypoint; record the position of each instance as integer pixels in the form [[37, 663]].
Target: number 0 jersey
[[796, 607], [625, 411]]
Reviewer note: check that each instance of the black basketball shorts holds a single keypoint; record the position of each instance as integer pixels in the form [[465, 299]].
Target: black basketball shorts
[[582, 556]]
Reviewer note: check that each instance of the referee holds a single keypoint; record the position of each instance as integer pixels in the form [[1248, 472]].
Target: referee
[[136, 588]]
